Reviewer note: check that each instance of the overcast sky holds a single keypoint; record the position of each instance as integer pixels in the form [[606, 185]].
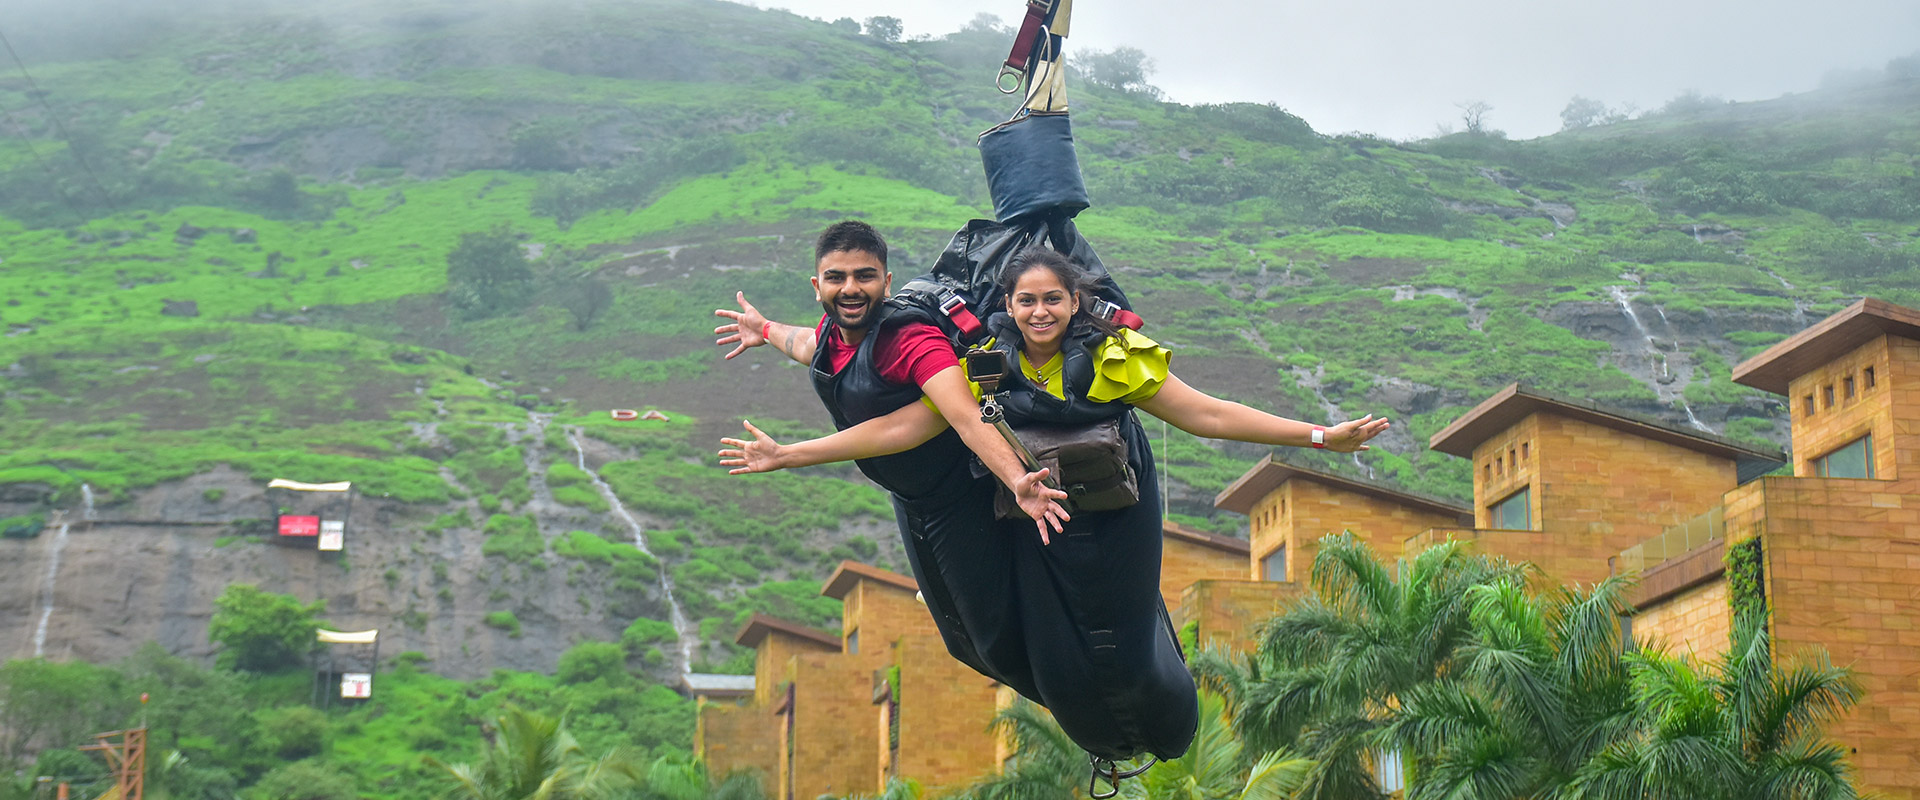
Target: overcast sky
[[1398, 68]]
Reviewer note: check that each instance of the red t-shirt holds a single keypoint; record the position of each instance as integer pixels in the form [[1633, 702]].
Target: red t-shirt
[[911, 353]]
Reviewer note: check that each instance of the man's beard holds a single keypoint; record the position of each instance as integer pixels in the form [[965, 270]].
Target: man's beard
[[867, 317]]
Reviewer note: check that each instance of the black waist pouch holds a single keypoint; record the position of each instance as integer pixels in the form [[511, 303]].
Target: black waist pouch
[[1089, 461]]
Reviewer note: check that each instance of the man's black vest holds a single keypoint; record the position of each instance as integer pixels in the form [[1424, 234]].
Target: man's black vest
[[937, 470]]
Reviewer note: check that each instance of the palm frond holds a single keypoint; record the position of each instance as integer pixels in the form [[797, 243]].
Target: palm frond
[[1804, 770], [1801, 701], [1278, 775]]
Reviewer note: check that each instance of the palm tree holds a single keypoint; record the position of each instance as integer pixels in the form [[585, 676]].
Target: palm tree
[[1745, 730], [1046, 765], [1537, 690], [1215, 766], [532, 757], [1329, 675]]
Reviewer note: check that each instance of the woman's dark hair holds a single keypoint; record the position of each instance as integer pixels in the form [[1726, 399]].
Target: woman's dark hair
[[1076, 280]]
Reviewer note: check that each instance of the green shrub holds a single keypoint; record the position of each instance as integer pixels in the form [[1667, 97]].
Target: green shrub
[[262, 631], [503, 620], [645, 631], [514, 538], [589, 661], [25, 526]]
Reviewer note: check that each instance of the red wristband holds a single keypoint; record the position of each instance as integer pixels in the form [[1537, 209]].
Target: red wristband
[[766, 330], [1319, 438]]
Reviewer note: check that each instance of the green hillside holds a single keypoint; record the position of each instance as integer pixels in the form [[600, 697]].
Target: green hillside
[[289, 185]]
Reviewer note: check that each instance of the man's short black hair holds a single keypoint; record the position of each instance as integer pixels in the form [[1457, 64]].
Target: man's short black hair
[[850, 235]]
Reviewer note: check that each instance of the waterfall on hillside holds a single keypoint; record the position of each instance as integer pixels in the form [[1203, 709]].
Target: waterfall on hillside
[[1620, 298], [53, 570], [681, 625]]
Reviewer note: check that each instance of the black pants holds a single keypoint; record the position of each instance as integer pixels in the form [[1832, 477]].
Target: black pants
[[1077, 626]]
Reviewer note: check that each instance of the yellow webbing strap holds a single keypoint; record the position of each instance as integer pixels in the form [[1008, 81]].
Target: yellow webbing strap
[[1046, 77]]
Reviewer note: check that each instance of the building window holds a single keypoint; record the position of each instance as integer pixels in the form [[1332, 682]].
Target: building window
[[1847, 387], [1869, 376], [1826, 393], [1513, 460], [853, 641], [1512, 514], [1499, 467], [1852, 461], [1388, 774], [1524, 447], [1488, 468], [1274, 566], [1809, 411]]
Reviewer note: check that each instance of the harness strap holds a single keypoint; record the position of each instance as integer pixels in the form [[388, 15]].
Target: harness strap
[[1113, 313], [1030, 29]]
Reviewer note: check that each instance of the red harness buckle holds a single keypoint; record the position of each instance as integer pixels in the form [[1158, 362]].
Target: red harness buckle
[[956, 309]]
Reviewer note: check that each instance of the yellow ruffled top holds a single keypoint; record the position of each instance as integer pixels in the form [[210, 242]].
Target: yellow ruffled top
[[1129, 369]]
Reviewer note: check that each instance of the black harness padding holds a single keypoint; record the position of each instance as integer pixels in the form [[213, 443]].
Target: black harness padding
[[1026, 404], [930, 473]]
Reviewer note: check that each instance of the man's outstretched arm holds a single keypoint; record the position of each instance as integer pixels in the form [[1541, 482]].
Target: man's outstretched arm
[[750, 328]]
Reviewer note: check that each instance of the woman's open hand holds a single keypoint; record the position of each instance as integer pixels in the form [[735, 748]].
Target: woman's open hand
[[1353, 434], [761, 454]]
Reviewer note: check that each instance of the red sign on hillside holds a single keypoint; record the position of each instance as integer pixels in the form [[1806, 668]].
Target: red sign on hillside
[[291, 525]]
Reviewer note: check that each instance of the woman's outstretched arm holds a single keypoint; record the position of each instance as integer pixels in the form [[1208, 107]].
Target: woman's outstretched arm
[[1202, 414]]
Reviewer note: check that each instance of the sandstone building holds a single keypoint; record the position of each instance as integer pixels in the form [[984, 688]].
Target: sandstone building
[[1831, 553]]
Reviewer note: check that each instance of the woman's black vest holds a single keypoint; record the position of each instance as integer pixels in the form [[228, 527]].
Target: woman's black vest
[[939, 469], [1027, 404]]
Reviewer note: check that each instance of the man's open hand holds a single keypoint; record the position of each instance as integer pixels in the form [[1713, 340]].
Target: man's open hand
[[744, 331], [1353, 434], [1039, 501]]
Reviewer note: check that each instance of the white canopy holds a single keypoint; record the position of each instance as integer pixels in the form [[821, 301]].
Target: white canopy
[[356, 637], [283, 483]]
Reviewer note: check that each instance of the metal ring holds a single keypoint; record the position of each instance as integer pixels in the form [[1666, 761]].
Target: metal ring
[[1000, 81]]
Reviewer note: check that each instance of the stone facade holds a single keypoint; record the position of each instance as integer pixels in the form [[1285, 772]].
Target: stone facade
[[1694, 622]]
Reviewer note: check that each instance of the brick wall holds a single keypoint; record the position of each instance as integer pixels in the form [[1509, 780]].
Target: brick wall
[[1316, 509], [883, 612], [1182, 562], [1595, 491], [770, 664], [1695, 622], [1842, 560], [945, 709], [1230, 612], [1874, 410], [731, 738], [833, 724]]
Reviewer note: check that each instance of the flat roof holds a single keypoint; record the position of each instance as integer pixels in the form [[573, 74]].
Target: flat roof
[[1269, 473], [761, 626], [1216, 541], [1826, 342], [716, 684], [1510, 405], [851, 572]]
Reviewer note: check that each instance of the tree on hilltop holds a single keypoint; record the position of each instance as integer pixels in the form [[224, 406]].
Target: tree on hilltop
[[487, 272], [886, 29], [1123, 68]]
